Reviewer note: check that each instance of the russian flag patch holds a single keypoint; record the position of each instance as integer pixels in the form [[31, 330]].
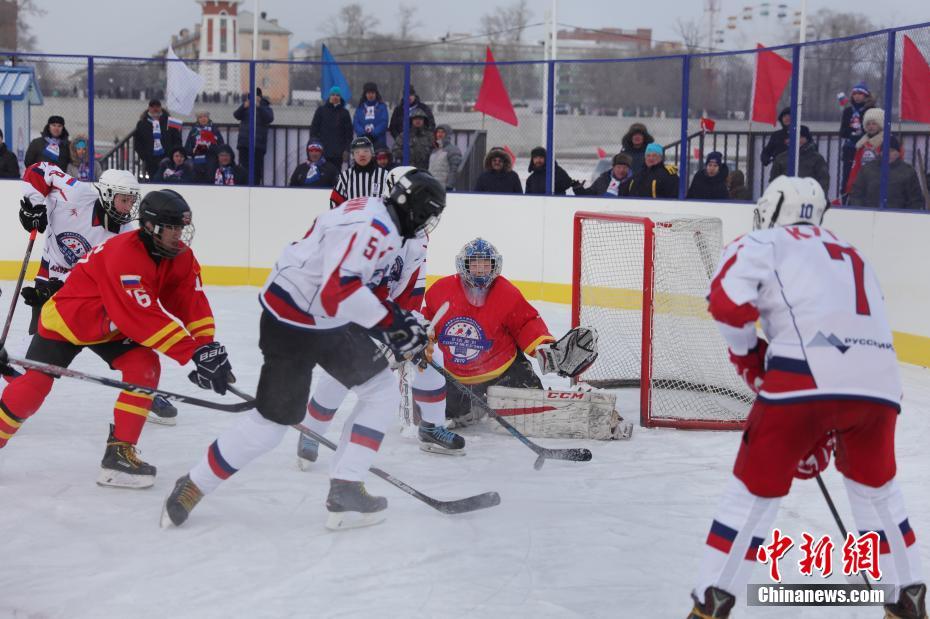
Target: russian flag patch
[[130, 282], [71, 181]]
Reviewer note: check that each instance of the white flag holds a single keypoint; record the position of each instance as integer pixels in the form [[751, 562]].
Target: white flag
[[183, 85]]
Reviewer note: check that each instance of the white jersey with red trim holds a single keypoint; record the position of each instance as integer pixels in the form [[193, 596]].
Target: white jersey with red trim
[[332, 276], [409, 284], [821, 309], [74, 225]]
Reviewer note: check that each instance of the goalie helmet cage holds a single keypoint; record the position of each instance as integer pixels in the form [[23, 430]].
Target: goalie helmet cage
[[642, 282]]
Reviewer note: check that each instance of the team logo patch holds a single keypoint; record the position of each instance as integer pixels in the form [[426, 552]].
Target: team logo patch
[[464, 338], [825, 341], [130, 282], [73, 246]]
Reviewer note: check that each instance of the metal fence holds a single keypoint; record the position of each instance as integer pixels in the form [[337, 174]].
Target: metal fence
[[581, 111]]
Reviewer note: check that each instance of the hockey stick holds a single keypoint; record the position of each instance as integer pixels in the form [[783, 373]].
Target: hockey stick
[[836, 517], [458, 506], [19, 286], [56, 371]]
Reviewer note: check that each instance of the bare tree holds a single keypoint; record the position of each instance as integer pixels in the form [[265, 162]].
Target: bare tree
[[350, 22], [690, 32], [25, 39], [407, 21], [506, 24]]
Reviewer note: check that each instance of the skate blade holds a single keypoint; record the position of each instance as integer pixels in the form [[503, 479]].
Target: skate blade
[[165, 521], [341, 521], [433, 448], [162, 421], [118, 479]]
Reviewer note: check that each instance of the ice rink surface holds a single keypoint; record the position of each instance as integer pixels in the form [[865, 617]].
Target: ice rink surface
[[619, 536]]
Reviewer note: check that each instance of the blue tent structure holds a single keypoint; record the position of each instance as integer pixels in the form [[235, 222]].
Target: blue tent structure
[[19, 91]]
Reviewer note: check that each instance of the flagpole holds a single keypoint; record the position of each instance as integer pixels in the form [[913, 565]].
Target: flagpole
[[802, 39], [545, 106]]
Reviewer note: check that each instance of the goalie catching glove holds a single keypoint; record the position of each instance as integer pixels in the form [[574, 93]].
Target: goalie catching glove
[[402, 332], [571, 355]]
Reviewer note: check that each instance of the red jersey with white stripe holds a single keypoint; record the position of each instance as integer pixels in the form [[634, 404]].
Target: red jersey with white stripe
[[821, 309], [74, 225], [479, 343], [339, 272]]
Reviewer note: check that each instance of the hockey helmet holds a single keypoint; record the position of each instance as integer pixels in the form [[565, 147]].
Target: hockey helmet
[[392, 176], [119, 182], [362, 143], [419, 200], [790, 200], [165, 217]]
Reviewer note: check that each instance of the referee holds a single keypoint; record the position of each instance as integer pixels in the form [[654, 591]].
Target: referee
[[364, 178]]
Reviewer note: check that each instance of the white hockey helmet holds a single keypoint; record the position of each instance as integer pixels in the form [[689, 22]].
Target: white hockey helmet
[[790, 200], [393, 176], [114, 182]]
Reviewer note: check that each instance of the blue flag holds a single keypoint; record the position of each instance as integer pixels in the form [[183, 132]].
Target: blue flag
[[332, 76]]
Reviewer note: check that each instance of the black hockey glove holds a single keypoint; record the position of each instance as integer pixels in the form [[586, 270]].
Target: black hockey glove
[[402, 332], [5, 368], [32, 216], [213, 369], [36, 297]]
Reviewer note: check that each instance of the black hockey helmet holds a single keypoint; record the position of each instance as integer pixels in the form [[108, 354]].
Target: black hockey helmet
[[419, 200], [165, 218], [362, 143]]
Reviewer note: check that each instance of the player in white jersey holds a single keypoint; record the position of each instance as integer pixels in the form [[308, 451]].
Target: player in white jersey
[[321, 308], [826, 374]]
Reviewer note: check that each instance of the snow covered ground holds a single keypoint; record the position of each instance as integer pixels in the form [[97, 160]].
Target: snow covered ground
[[619, 536]]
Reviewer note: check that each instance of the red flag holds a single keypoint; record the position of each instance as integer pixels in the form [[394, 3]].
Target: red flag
[[601, 153], [915, 84], [708, 124], [771, 78], [493, 99], [513, 158]]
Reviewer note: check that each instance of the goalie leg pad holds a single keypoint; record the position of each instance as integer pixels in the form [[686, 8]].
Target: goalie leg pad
[[560, 414]]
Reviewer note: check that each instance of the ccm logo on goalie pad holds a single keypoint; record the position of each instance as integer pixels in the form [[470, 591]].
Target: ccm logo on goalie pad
[[564, 395]]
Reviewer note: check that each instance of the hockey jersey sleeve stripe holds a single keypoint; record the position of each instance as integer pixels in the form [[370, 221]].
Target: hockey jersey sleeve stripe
[[542, 339], [722, 307], [193, 326], [209, 332], [166, 346], [35, 177], [51, 321], [160, 335]]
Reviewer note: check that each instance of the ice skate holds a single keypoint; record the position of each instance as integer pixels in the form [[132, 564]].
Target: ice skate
[[350, 506], [121, 466], [717, 604], [180, 502], [163, 412], [307, 451], [911, 604], [439, 440]]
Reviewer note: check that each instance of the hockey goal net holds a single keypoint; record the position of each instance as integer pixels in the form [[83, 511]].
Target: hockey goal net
[[642, 282]]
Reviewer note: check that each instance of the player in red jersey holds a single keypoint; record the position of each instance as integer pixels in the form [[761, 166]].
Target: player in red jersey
[[112, 303]]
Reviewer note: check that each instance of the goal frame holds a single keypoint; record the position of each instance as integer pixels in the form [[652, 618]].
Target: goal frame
[[645, 382]]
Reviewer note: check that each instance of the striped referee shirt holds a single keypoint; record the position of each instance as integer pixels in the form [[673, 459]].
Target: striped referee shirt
[[358, 182]]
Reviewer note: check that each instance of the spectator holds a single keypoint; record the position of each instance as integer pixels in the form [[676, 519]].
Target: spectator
[[264, 116], [333, 126], [51, 146], [710, 183], [316, 171], [385, 159], [613, 182], [371, 116], [421, 141], [903, 186], [536, 181], [445, 159], [175, 169], [869, 145], [226, 171], [363, 178], [202, 143], [498, 175], [657, 179], [9, 165], [397, 116], [811, 163], [736, 184], [851, 126], [80, 166], [153, 139], [634, 144], [776, 144]]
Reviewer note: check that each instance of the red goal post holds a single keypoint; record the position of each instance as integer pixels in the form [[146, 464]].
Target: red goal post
[[641, 282]]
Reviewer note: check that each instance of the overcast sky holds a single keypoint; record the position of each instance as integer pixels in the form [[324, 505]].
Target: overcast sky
[[137, 28]]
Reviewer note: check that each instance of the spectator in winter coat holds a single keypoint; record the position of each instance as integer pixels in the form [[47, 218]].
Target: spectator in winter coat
[[202, 143], [852, 126], [710, 183], [613, 182], [657, 179], [498, 175], [333, 126], [9, 165], [776, 144], [264, 116], [371, 116], [903, 185], [421, 141], [51, 146], [384, 158], [445, 158], [175, 169], [736, 185], [316, 171], [80, 166], [536, 181], [869, 146], [153, 139], [397, 116], [634, 143], [226, 171], [811, 163]]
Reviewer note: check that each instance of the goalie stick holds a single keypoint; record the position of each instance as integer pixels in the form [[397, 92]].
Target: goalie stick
[[457, 506]]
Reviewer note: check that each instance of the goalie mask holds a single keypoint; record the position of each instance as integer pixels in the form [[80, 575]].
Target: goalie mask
[[790, 200], [115, 183], [478, 265]]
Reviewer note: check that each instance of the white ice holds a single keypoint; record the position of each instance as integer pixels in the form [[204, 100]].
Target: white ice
[[619, 536]]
